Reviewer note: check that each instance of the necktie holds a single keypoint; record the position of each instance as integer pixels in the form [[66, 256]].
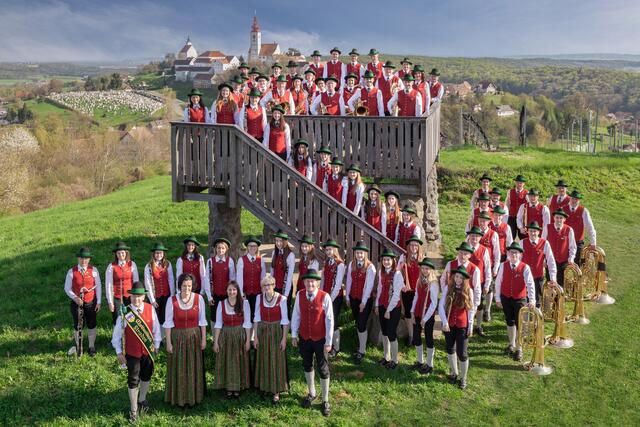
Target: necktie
[[309, 296], [513, 266], [121, 263], [81, 270], [359, 265]]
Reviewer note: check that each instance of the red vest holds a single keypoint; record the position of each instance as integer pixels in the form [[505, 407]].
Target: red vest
[[370, 100], [502, 235], [413, 268], [347, 94], [434, 90], [196, 116], [576, 222], [231, 320], [286, 97], [373, 215], [80, 281], [160, 277], [219, 276], [535, 213], [385, 87], [358, 278], [513, 285], [319, 69], [424, 300], [332, 103], [309, 89], [303, 266], [224, 115], [351, 196], [471, 269], [122, 279], [251, 272], [554, 205], [312, 316], [386, 282], [321, 172], [334, 187], [376, 70], [422, 88], [458, 317], [193, 268], [277, 142], [239, 98], [476, 214], [299, 98], [516, 200], [355, 69], [279, 270], [477, 258], [183, 319], [392, 225], [405, 232], [559, 242], [132, 345], [254, 122], [407, 103], [329, 274], [533, 256], [486, 240], [302, 166], [335, 70], [270, 314]]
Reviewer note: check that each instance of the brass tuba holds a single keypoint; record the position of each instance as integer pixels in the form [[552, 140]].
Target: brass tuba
[[531, 334], [595, 271], [553, 310], [573, 280]]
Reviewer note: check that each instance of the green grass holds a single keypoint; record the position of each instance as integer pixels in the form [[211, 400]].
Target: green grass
[[34, 79], [593, 383]]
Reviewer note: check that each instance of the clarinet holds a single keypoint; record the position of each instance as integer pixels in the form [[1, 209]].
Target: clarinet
[[122, 310], [80, 324]]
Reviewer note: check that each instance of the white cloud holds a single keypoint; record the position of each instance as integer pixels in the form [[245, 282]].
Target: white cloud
[[304, 41]]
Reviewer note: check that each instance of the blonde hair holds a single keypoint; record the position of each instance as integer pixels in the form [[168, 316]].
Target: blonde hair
[[268, 280]]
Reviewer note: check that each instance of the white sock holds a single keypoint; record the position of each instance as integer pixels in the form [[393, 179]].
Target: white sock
[[385, 348], [453, 363], [144, 387], [324, 383], [479, 318], [511, 333], [163, 333], [430, 353], [464, 367], [487, 304], [394, 350], [362, 339], [419, 354], [133, 399], [92, 337], [311, 382], [336, 340]]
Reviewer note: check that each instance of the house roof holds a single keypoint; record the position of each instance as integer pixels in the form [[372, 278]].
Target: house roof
[[230, 57], [186, 47], [268, 49], [222, 60], [504, 108], [212, 54], [182, 62], [485, 84], [203, 76]]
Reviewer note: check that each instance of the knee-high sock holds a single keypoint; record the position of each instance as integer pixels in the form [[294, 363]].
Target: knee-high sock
[[92, 337], [311, 382], [133, 399], [336, 340], [324, 383], [75, 338], [487, 303], [144, 387], [163, 333], [419, 354], [362, 340], [430, 353], [512, 333], [386, 348], [464, 367], [453, 363], [394, 350], [479, 314]]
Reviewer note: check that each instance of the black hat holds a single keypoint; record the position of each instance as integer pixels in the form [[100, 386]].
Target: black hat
[[223, 85], [374, 187], [310, 70], [222, 240], [332, 77], [520, 178], [252, 239], [485, 176], [406, 61], [388, 64], [335, 49], [534, 226], [560, 212], [316, 53], [354, 51], [84, 252], [561, 183], [392, 193], [434, 72], [292, 64]]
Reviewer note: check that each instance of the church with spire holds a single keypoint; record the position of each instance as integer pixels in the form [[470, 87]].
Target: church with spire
[[261, 52]]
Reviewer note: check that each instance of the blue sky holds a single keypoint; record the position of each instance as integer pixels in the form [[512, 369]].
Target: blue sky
[[72, 30]]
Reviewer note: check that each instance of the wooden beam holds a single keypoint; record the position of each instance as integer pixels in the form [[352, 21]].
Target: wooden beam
[[204, 197]]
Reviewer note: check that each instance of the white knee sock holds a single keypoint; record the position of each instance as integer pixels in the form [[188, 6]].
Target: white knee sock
[[324, 383], [92, 337], [511, 333], [144, 387], [394, 350], [464, 367], [430, 353], [311, 382], [386, 348], [487, 304], [419, 354], [362, 340], [336, 340], [453, 363], [479, 318], [133, 399]]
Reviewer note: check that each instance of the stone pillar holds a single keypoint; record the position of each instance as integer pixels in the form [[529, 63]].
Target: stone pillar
[[225, 222], [430, 216]]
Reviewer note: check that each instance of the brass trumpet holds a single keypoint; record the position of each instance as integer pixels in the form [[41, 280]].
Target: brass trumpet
[[553, 310], [323, 110], [531, 334], [573, 292], [359, 110], [594, 270]]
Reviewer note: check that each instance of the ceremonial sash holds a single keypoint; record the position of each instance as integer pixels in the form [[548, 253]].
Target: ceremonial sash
[[141, 330]]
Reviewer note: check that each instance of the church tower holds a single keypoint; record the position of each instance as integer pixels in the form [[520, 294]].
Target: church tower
[[255, 40]]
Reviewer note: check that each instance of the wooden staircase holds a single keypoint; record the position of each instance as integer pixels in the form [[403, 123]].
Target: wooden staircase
[[223, 164]]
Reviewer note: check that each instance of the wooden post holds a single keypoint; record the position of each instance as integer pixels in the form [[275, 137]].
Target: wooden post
[[233, 169]]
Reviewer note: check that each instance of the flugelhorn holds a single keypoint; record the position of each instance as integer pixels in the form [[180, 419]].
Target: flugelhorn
[[531, 335], [553, 310], [595, 271], [573, 292]]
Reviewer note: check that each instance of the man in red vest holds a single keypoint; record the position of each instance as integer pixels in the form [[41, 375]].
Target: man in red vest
[[502, 229], [292, 67], [137, 325], [276, 71], [514, 290], [495, 195], [537, 253], [531, 211], [517, 197], [406, 68], [335, 67], [580, 220], [483, 201], [561, 199], [329, 103], [375, 66], [316, 65], [279, 95], [388, 84], [354, 67], [83, 287], [312, 332], [485, 187], [436, 88], [562, 240], [408, 100], [369, 96]]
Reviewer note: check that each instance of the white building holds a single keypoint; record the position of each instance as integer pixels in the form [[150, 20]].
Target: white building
[[259, 52], [505, 111], [189, 64]]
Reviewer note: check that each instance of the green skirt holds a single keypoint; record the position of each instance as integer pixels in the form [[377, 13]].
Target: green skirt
[[232, 361], [185, 368], [271, 374]]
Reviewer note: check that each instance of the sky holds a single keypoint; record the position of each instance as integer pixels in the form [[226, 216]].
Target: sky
[[74, 30]]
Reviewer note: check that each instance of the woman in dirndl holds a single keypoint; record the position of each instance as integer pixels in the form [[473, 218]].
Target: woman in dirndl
[[231, 342], [186, 334], [271, 324]]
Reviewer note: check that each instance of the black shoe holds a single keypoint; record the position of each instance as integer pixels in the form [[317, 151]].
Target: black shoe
[[383, 362], [133, 417], [480, 332], [509, 350], [409, 342], [517, 356], [92, 352], [229, 395], [357, 357], [391, 365], [236, 395], [306, 402], [416, 366], [333, 353], [453, 378], [143, 407], [462, 384], [326, 409], [426, 369]]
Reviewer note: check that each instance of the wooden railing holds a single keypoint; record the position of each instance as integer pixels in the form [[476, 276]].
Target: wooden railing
[[223, 157], [398, 148]]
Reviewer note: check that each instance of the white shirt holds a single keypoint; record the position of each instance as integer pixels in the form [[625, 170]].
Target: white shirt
[[315, 105], [416, 231], [207, 116], [68, 284], [287, 138], [108, 279], [118, 330], [315, 174], [327, 306], [394, 100], [370, 278], [148, 282], [269, 96], [495, 250], [434, 289], [528, 280], [168, 311], [475, 281], [546, 215], [443, 312], [214, 114], [359, 194], [240, 270], [337, 284], [383, 213], [343, 70], [345, 182], [232, 273], [246, 313], [474, 197], [573, 247], [400, 85], [549, 259], [309, 171], [358, 94], [241, 118], [398, 284], [203, 273], [284, 313], [291, 265]]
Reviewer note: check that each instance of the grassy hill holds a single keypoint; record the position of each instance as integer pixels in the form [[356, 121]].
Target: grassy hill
[[592, 383]]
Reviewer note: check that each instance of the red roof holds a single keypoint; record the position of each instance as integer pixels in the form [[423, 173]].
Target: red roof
[[255, 27], [268, 49], [212, 54]]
